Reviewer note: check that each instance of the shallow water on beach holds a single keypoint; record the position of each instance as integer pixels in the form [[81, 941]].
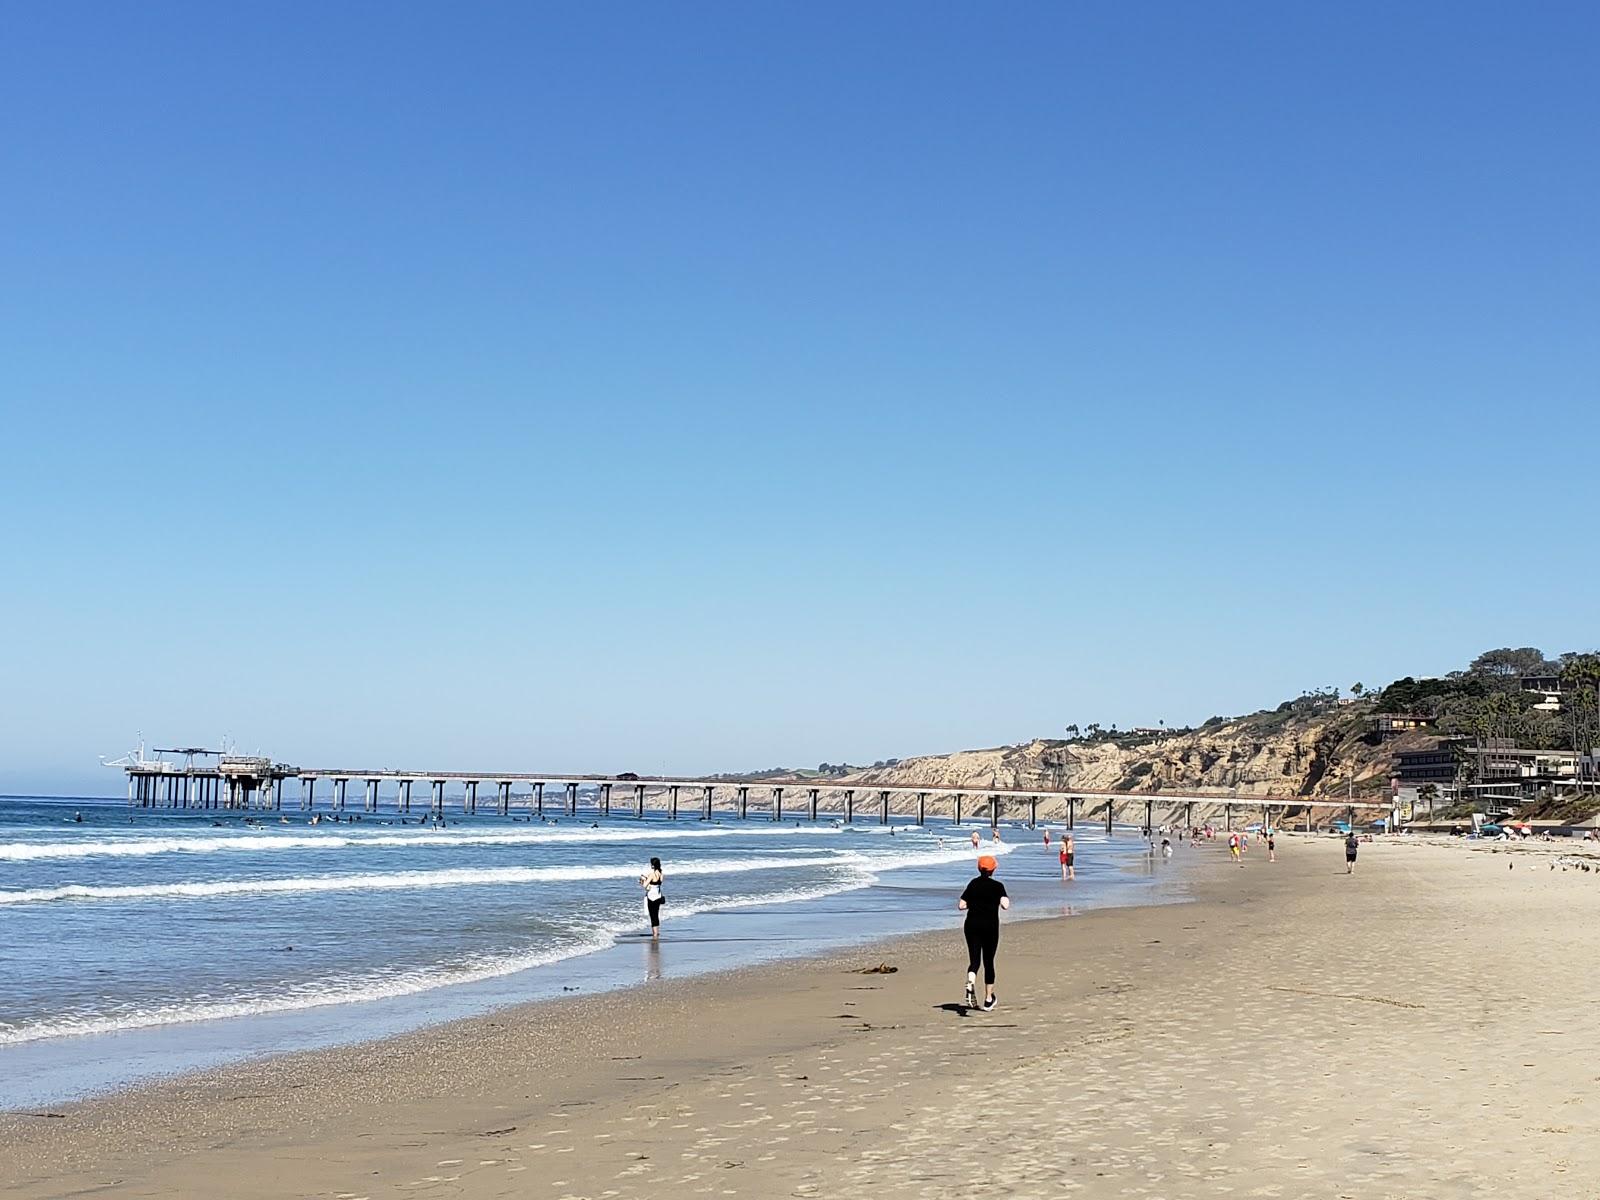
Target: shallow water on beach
[[140, 943]]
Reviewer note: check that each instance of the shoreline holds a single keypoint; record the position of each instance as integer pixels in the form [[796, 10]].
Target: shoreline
[[702, 937], [551, 1020], [1245, 1035]]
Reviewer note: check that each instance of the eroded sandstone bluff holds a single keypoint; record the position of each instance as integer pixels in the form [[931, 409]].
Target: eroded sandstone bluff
[[1277, 754]]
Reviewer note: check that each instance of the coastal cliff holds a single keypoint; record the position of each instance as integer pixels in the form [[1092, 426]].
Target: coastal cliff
[[1325, 752]]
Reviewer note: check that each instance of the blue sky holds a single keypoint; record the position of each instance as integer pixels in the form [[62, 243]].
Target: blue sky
[[648, 387]]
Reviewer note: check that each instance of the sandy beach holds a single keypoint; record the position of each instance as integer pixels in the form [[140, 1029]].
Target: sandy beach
[[1417, 1029]]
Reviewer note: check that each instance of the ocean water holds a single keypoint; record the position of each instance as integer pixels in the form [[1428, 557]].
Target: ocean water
[[136, 943]]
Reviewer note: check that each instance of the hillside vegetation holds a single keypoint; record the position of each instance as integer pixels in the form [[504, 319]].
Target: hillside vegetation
[[1317, 746]]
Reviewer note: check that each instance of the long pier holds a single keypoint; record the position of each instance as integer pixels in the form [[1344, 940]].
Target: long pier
[[238, 782]]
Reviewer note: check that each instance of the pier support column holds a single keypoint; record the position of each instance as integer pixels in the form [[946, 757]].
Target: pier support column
[[538, 798], [1111, 816], [958, 808], [673, 802], [849, 806], [744, 802], [1227, 817], [339, 793], [1072, 812], [777, 804], [404, 795], [438, 799], [814, 792], [994, 812], [706, 804], [1033, 812], [638, 800], [883, 811], [1149, 818], [469, 802], [572, 799], [922, 808], [605, 799], [503, 794], [1188, 815], [370, 799], [308, 799]]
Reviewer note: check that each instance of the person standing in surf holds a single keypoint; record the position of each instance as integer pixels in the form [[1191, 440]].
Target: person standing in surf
[[653, 899], [1069, 857], [982, 901]]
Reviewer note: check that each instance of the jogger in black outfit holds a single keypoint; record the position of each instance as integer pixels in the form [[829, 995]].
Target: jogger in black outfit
[[982, 901]]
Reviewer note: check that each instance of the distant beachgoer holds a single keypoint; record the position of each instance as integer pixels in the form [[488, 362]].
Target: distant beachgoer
[[982, 901], [1166, 848], [1351, 845], [78, 818], [994, 834], [653, 899], [1047, 839], [1272, 848], [1068, 856], [977, 842], [1233, 848]]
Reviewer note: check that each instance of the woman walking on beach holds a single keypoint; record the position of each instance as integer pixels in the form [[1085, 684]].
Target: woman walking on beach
[[651, 882], [982, 901]]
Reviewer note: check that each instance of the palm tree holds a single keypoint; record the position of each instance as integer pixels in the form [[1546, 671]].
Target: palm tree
[[1430, 793]]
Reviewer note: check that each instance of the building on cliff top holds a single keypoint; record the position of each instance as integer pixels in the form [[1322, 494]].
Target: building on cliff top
[[1390, 725]]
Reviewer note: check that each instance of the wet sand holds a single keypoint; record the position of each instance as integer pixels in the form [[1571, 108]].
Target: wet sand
[[1417, 1029]]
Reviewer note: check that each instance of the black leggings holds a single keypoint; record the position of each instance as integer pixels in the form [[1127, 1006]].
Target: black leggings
[[655, 911], [982, 940]]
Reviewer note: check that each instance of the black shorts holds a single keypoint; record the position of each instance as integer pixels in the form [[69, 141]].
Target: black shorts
[[1349, 856], [655, 910]]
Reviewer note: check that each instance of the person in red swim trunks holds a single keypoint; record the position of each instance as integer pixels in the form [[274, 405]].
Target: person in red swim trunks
[[1069, 872]]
